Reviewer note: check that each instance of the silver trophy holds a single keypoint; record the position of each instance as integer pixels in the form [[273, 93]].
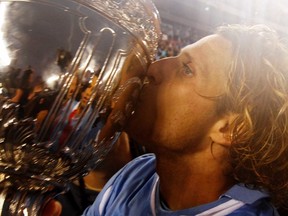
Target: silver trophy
[[70, 74]]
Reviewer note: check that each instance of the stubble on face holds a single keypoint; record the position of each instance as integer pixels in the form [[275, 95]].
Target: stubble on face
[[177, 110]]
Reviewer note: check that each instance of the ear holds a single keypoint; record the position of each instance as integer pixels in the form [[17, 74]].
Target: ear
[[220, 132]]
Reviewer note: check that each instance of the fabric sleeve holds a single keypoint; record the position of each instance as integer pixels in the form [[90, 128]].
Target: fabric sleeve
[[126, 177]]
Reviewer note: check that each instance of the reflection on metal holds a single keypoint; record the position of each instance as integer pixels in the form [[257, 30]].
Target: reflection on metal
[[52, 131]]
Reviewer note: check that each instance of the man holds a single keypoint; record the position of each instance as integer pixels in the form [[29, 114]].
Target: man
[[216, 119], [71, 112]]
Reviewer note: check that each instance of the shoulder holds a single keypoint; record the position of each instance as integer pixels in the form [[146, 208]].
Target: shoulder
[[130, 184], [246, 194], [142, 167], [259, 208], [144, 162], [240, 200], [254, 202]]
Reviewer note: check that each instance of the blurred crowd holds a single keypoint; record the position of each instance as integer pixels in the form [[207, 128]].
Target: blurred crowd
[[174, 37]]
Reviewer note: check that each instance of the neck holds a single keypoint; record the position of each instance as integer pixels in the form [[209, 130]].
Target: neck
[[188, 180]]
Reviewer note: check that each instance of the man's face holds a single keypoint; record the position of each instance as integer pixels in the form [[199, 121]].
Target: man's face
[[85, 96], [72, 88], [175, 108]]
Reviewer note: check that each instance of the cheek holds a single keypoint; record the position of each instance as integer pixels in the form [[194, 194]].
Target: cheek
[[175, 102], [211, 87], [172, 118], [181, 114], [184, 110], [171, 108]]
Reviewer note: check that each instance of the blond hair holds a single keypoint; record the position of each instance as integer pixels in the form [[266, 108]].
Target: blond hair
[[257, 92]]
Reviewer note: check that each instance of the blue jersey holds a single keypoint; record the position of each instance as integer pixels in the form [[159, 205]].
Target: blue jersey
[[134, 191]]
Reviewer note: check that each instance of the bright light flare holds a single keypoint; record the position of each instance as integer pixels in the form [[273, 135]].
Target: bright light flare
[[51, 80]]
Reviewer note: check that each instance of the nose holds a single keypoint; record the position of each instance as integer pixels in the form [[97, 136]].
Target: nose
[[161, 70]]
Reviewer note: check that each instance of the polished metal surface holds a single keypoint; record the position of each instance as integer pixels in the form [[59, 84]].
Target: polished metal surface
[[70, 74]]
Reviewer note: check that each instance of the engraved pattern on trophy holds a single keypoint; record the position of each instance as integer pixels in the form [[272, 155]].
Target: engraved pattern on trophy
[[38, 157], [72, 71], [139, 17]]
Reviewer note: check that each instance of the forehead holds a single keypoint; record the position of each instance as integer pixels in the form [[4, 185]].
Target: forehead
[[214, 43], [211, 56], [88, 90], [210, 53]]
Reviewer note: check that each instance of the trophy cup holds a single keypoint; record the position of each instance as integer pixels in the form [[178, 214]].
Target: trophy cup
[[70, 74]]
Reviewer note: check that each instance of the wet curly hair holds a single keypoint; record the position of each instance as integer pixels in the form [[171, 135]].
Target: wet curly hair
[[257, 92]]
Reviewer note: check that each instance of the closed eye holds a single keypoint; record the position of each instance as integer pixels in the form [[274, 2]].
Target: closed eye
[[187, 70]]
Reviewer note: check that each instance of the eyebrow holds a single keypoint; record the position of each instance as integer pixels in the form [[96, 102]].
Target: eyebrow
[[183, 52], [191, 59]]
